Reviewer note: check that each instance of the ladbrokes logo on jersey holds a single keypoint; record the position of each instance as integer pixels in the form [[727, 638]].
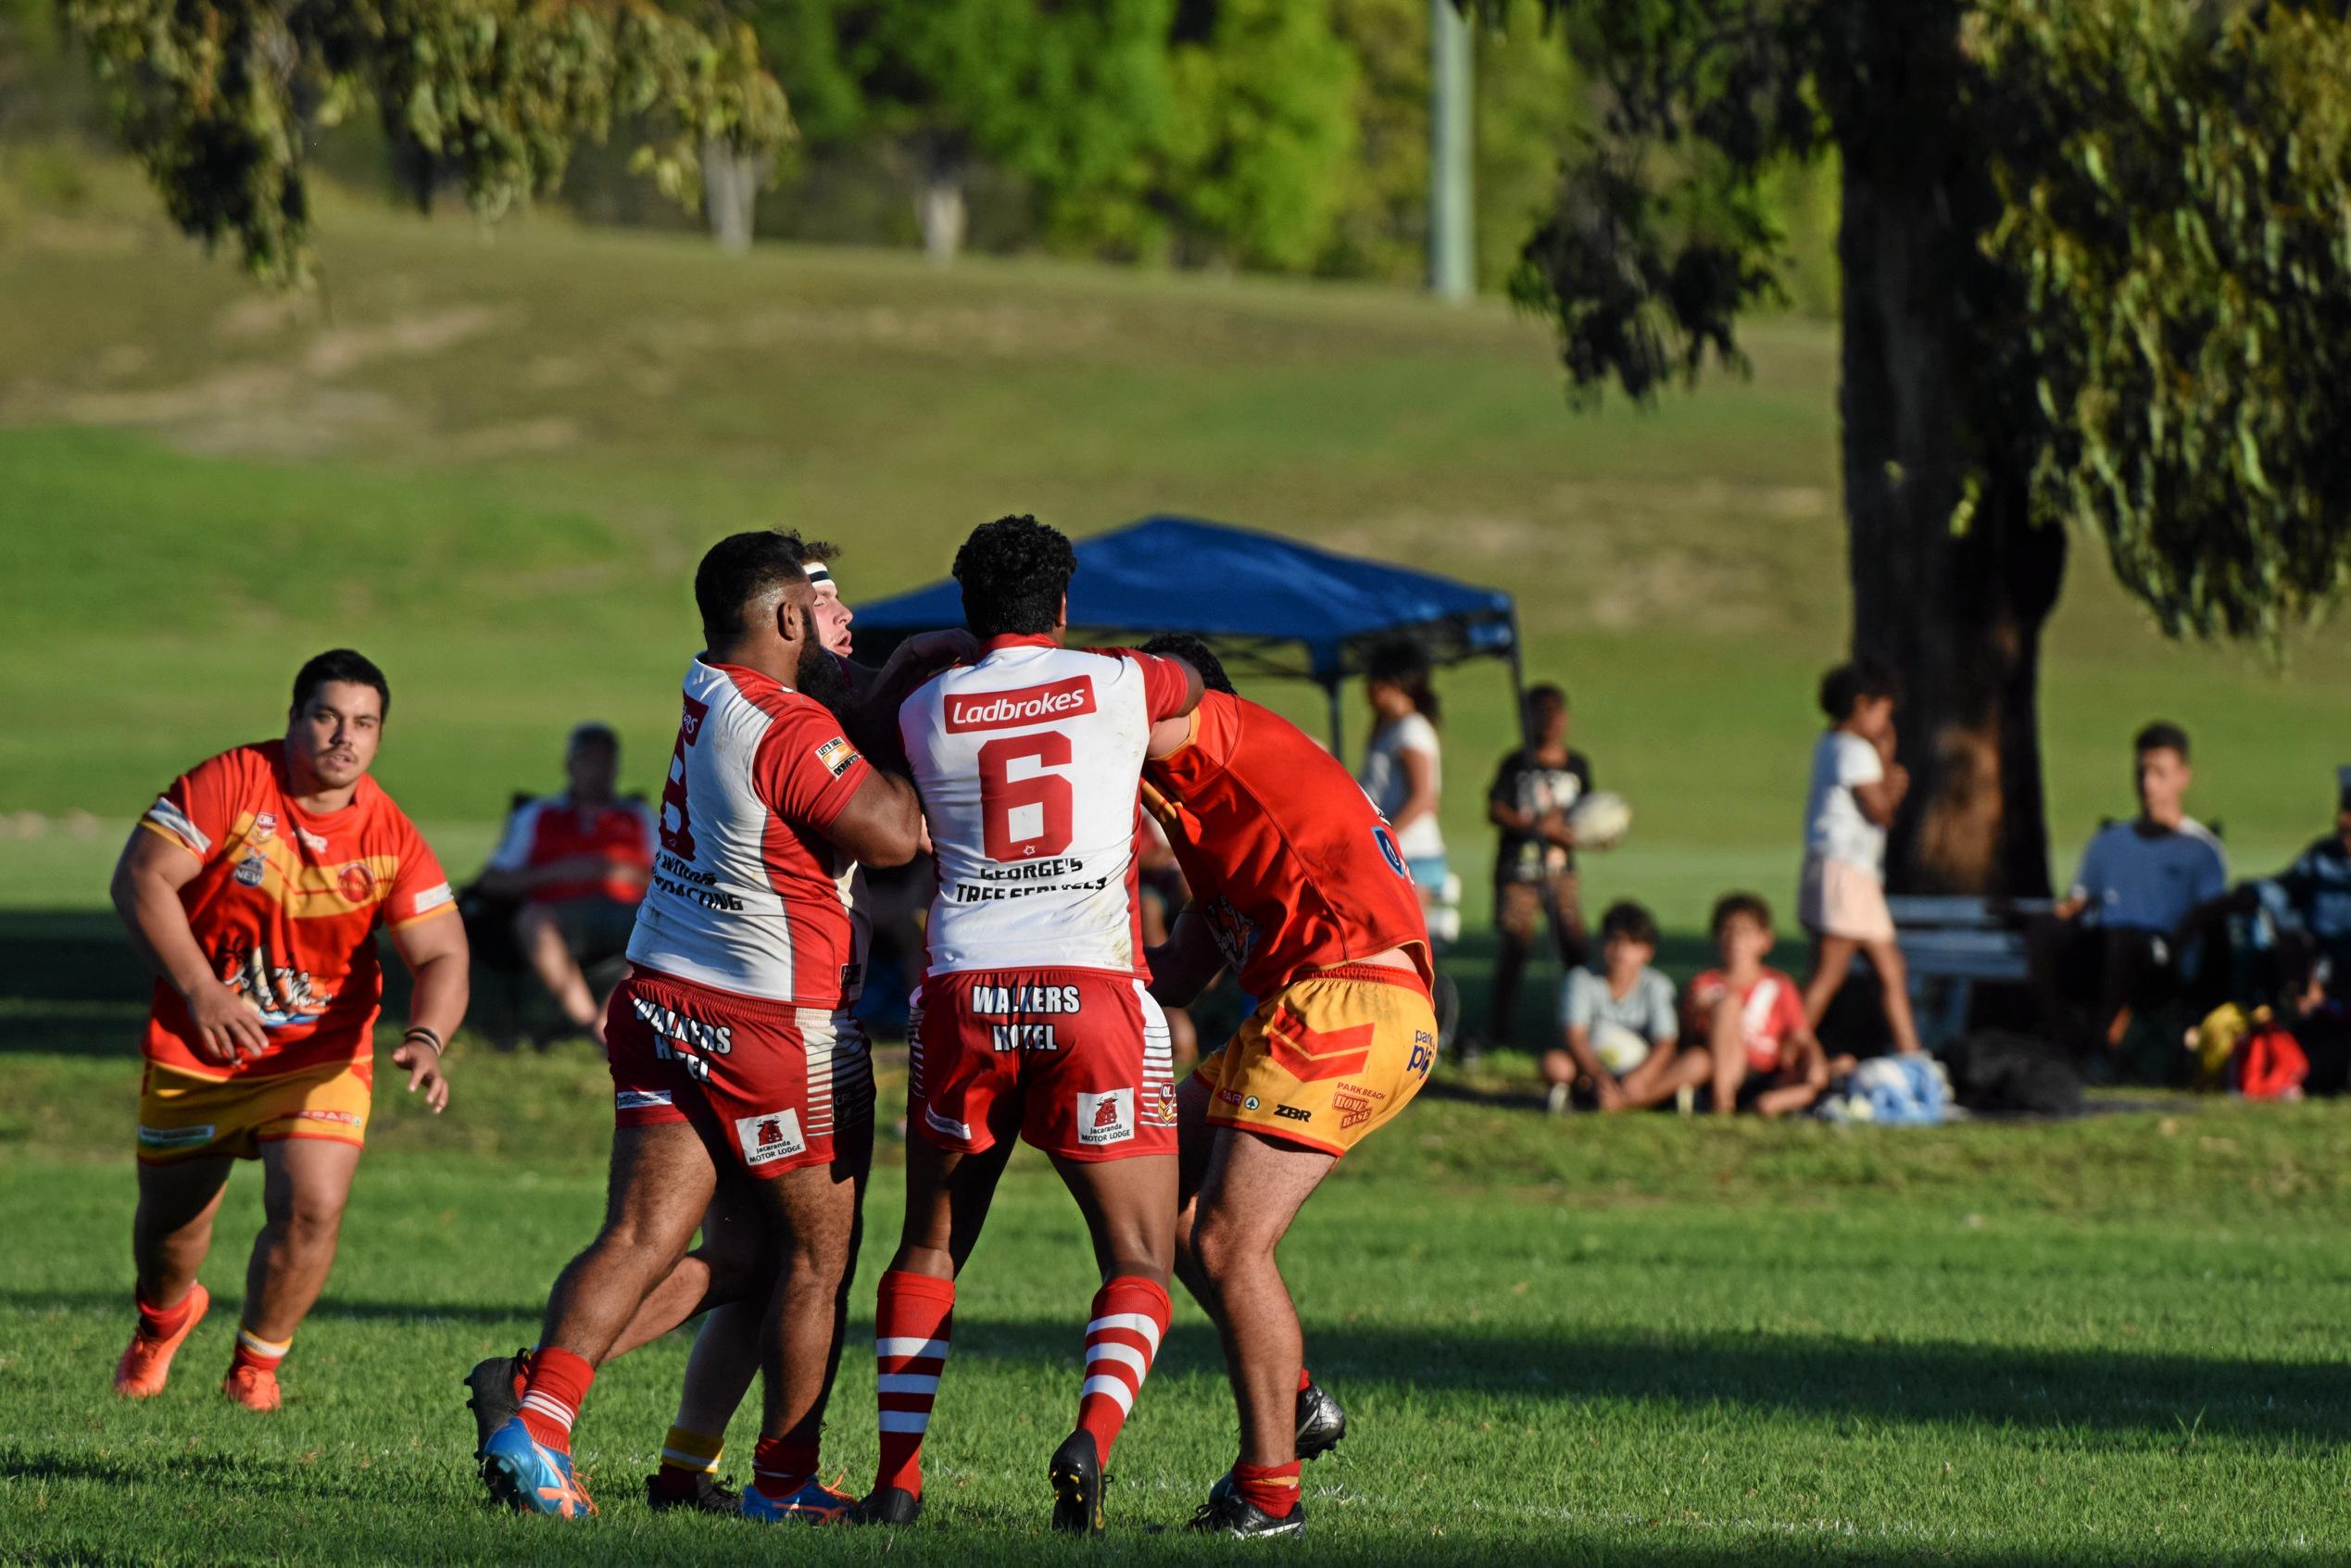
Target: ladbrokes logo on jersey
[[1030, 705]]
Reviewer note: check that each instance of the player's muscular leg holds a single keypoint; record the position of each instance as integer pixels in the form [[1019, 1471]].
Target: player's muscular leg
[[304, 1183], [173, 1230], [661, 1182], [947, 1201], [1195, 1140], [1253, 1189], [734, 1265], [814, 1213], [541, 938], [1130, 1212]]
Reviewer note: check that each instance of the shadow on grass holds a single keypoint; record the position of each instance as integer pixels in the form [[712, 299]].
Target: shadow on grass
[[1940, 1383]]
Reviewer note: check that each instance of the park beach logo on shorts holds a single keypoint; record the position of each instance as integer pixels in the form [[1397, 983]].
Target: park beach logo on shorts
[[1107, 1118], [1030, 705], [772, 1136]]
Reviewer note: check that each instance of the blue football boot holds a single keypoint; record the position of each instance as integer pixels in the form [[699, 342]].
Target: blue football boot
[[814, 1503], [528, 1478]]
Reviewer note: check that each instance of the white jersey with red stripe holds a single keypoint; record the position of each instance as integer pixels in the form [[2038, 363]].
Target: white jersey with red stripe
[[747, 895], [1027, 763]]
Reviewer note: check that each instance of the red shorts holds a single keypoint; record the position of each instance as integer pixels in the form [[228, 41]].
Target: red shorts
[[1073, 1061], [768, 1081]]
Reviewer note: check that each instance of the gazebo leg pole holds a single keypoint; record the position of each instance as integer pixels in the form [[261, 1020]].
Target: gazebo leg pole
[[1518, 679], [1337, 720]]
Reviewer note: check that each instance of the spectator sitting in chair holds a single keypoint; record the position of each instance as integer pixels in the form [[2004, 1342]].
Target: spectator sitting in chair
[[579, 862], [2146, 888]]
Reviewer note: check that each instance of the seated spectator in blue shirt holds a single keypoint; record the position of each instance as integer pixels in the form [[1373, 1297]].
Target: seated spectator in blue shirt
[[2145, 889], [1618, 1026], [2317, 889]]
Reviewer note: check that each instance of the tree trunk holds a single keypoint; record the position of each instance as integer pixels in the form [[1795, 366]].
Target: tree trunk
[[730, 194], [1957, 612]]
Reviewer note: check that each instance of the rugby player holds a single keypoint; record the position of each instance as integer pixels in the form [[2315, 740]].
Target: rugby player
[[255, 886], [1034, 1021], [1299, 887], [727, 1053]]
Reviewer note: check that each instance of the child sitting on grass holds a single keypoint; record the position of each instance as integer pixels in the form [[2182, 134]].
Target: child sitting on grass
[[1618, 1021], [1856, 788], [1754, 1046]]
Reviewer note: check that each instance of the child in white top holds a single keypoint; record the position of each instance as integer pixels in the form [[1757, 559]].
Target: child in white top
[[1856, 788]]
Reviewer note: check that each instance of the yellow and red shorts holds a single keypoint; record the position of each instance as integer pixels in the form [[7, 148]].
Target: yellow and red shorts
[[183, 1115], [1326, 1060]]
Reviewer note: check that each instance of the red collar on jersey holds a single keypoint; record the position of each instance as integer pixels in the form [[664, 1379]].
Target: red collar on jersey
[[1019, 640]]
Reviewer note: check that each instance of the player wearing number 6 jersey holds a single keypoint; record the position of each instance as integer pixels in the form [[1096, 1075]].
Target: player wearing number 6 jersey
[[1034, 1023], [1299, 887]]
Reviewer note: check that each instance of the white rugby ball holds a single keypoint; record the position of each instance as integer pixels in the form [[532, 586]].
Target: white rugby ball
[[1620, 1049], [1600, 820]]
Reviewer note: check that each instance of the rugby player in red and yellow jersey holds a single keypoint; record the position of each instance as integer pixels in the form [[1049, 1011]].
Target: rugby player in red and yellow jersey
[[254, 885], [1298, 886]]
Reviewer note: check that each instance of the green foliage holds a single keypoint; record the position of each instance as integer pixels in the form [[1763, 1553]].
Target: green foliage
[[219, 99], [1257, 162], [2179, 211], [2148, 217]]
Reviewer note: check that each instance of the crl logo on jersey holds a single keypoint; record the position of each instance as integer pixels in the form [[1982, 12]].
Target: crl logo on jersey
[[1108, 1118], [1387, 843], [775, 1135]]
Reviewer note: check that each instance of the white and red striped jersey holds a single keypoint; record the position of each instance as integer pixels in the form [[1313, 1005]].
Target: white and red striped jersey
[[1027, 763], [747, 895]]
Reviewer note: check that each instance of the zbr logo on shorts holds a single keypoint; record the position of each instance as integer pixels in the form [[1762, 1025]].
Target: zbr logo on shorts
[[1108, 1118], [775, 1135], [1387, 843]]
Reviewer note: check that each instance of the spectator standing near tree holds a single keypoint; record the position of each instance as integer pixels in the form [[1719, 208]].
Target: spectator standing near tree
[[1856, 788], [1533, 791]]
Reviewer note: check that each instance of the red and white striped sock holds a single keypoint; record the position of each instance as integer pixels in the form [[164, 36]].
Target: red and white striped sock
[[1128, 1320], [255, 1351], [914, 1317], [559, 1384]]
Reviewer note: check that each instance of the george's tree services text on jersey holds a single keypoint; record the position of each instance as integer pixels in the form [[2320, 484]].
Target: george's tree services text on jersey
[[747, 896], [1027, 763]]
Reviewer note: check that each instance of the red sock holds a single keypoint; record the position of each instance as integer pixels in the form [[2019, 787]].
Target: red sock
[[255, 1351], [162, 1322], [914, 1317], [559, 1383], [1128, 1322], [1305, 1382], [1273, 1488], [780, 1467]]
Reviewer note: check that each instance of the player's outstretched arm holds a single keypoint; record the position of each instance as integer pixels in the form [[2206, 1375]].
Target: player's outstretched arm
[[1183, 965], [873, 723], [147, 880], [437, 959], [882, 824]]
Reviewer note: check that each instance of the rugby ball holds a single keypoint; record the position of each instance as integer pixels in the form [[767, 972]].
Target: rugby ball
[[1620, 1049], [1600, 820]]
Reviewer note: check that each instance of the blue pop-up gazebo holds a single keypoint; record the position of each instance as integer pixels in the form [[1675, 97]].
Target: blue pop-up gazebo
[[1268, 606]]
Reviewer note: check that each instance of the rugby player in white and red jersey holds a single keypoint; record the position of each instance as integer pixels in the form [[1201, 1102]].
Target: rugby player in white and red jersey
[[1034, 1023], [728, 1059]]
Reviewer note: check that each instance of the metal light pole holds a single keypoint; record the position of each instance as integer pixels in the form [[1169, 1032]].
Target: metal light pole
[[1451, 256]]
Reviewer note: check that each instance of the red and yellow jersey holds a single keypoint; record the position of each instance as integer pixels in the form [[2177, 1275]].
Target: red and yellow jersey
[[286, 907], [1288, 862]]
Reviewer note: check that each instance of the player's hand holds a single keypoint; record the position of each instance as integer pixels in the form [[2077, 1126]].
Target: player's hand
[[938, 649], [227, 1026], [421, 1060]]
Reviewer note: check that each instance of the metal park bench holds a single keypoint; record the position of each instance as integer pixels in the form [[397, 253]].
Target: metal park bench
[[1953, 943]]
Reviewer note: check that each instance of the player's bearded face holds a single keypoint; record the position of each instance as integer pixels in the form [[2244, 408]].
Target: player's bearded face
[[820, 673], [336, 732]]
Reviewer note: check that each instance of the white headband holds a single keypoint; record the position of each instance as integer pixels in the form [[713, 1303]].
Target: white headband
[[817, 572]]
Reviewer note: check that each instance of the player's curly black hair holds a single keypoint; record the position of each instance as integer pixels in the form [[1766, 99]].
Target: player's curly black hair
[[1193, 652], [1015, 572], [739, 570], [347, 666]]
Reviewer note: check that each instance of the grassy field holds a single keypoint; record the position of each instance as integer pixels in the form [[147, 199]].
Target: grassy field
[[491, 461]]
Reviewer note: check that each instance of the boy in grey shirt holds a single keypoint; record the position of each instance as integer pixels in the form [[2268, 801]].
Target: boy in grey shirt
[[1617, 1021]]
